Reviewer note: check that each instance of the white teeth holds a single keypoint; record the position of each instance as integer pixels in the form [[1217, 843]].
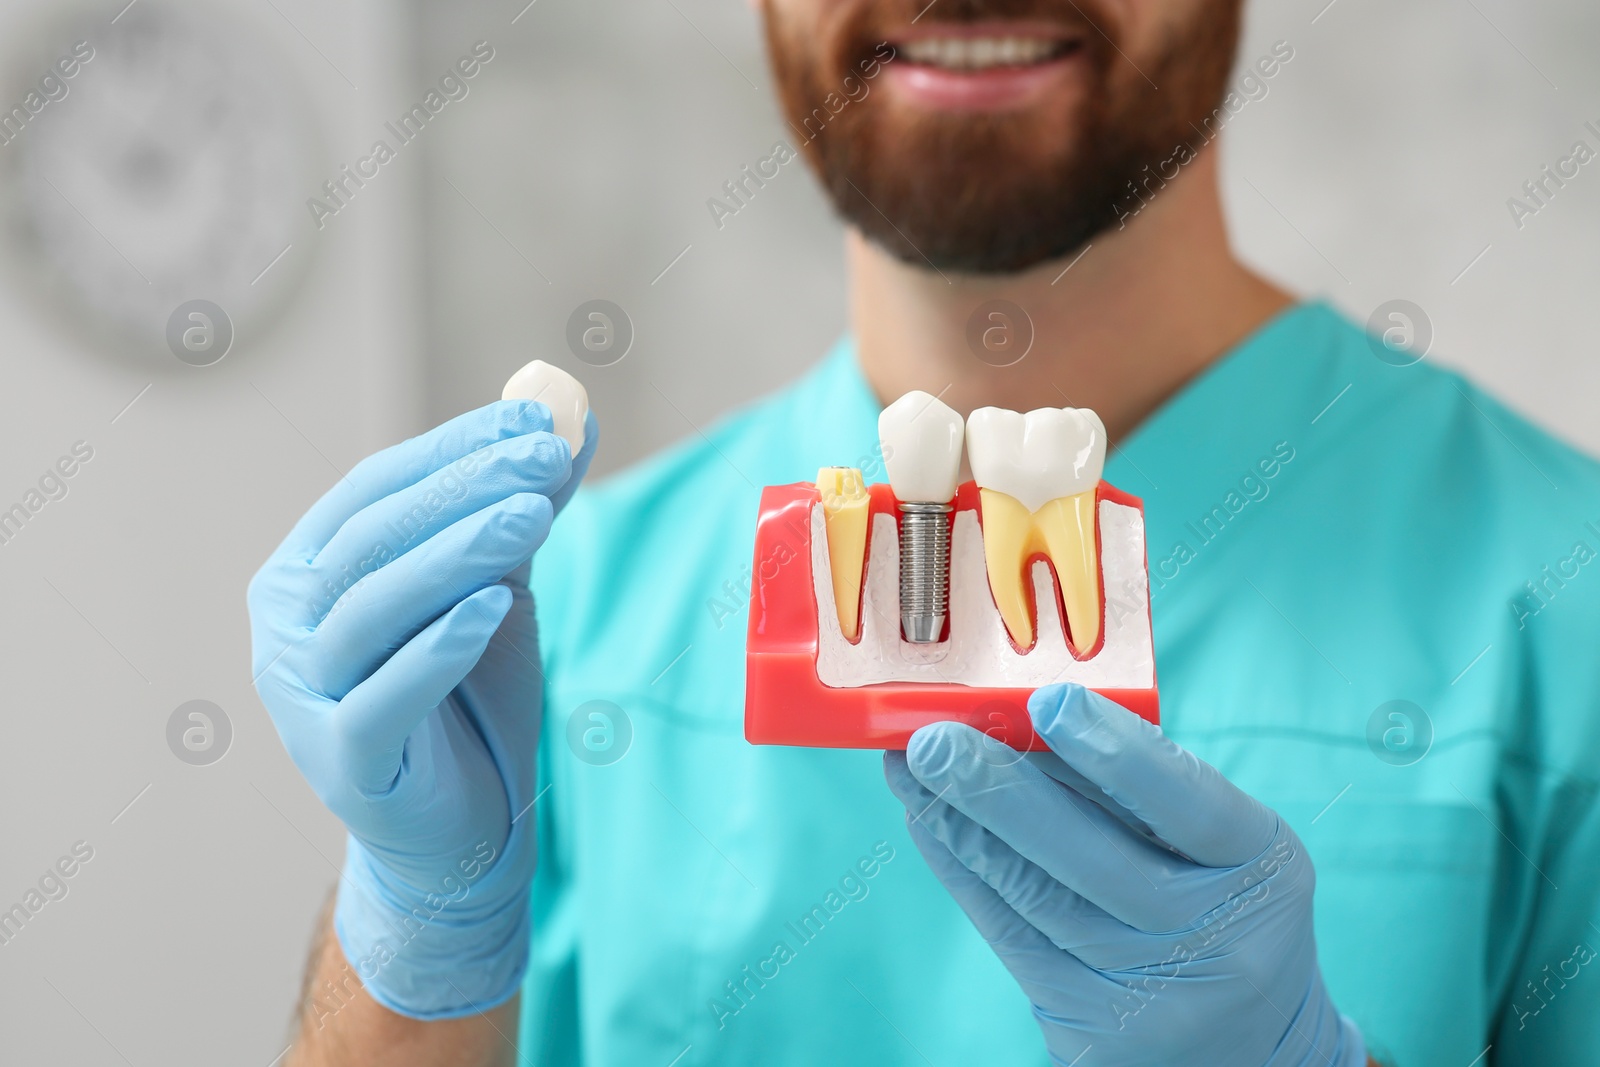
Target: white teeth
[[1038, 457], [978, 53], [921, 438], [1037, 474], [557, 390]]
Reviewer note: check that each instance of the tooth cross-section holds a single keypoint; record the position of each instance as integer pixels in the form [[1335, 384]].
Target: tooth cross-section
[[1036, 476]]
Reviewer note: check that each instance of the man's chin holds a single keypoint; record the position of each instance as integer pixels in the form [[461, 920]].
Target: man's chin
[[1001, 249], [974, 223]]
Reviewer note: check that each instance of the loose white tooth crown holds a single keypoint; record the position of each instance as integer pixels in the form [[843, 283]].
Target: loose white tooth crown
[[1035, 458], [557, 390], [921, 438]]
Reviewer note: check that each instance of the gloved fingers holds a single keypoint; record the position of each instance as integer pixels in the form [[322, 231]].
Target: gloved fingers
[[375, 718], [274, 634], [1044, 972], [404, 464], [503, 696], [1183, 800], [521, 639], [1063, 772], [580, 463], [386, 608], [1066, 918], [386, 529], [1075, 841]]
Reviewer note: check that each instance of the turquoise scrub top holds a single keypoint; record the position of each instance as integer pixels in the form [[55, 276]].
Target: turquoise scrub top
[[1328, 534]]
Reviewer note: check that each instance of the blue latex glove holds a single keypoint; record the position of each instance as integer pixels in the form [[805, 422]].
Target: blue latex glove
[[1150, 910], [393, 642]]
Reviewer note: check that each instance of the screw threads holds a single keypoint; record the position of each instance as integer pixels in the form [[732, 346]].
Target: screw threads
[[924, 570]]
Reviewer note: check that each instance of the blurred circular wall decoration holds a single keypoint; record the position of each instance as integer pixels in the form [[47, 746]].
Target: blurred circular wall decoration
[[157, 159]]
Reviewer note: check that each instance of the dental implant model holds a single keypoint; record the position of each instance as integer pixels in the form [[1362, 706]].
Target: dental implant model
[[922, 438], [879, 609]]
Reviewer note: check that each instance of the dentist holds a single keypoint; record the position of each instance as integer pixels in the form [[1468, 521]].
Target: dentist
[[1368, 833]]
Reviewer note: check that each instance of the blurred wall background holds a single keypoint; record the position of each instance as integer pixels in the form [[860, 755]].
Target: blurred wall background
[[1375, 165]]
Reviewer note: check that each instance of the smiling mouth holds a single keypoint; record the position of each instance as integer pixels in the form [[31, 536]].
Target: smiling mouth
[[992, 66]]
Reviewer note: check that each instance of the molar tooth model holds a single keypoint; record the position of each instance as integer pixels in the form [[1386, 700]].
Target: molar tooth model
[[899, 605]]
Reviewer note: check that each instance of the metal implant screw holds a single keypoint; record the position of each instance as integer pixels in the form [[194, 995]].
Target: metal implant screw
[[921, 438], [924, 571]]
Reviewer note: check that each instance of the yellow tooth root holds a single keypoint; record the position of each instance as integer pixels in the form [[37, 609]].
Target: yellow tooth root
[[1063, 530], [846, 513], [1007, 535], [1068, 528]]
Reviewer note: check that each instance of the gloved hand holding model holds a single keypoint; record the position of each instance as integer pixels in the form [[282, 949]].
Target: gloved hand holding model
[[394, 645], [1149, 909]]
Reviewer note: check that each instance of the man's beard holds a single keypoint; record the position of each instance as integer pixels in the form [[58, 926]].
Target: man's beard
[[997, 192]]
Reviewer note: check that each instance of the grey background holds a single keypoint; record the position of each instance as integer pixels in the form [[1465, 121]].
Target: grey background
[[1377, 167]]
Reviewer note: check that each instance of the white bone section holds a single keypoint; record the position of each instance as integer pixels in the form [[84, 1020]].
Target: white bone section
[[978, 652]]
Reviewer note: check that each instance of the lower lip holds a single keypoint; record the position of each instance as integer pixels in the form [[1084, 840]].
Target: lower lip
[[983, 90]]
